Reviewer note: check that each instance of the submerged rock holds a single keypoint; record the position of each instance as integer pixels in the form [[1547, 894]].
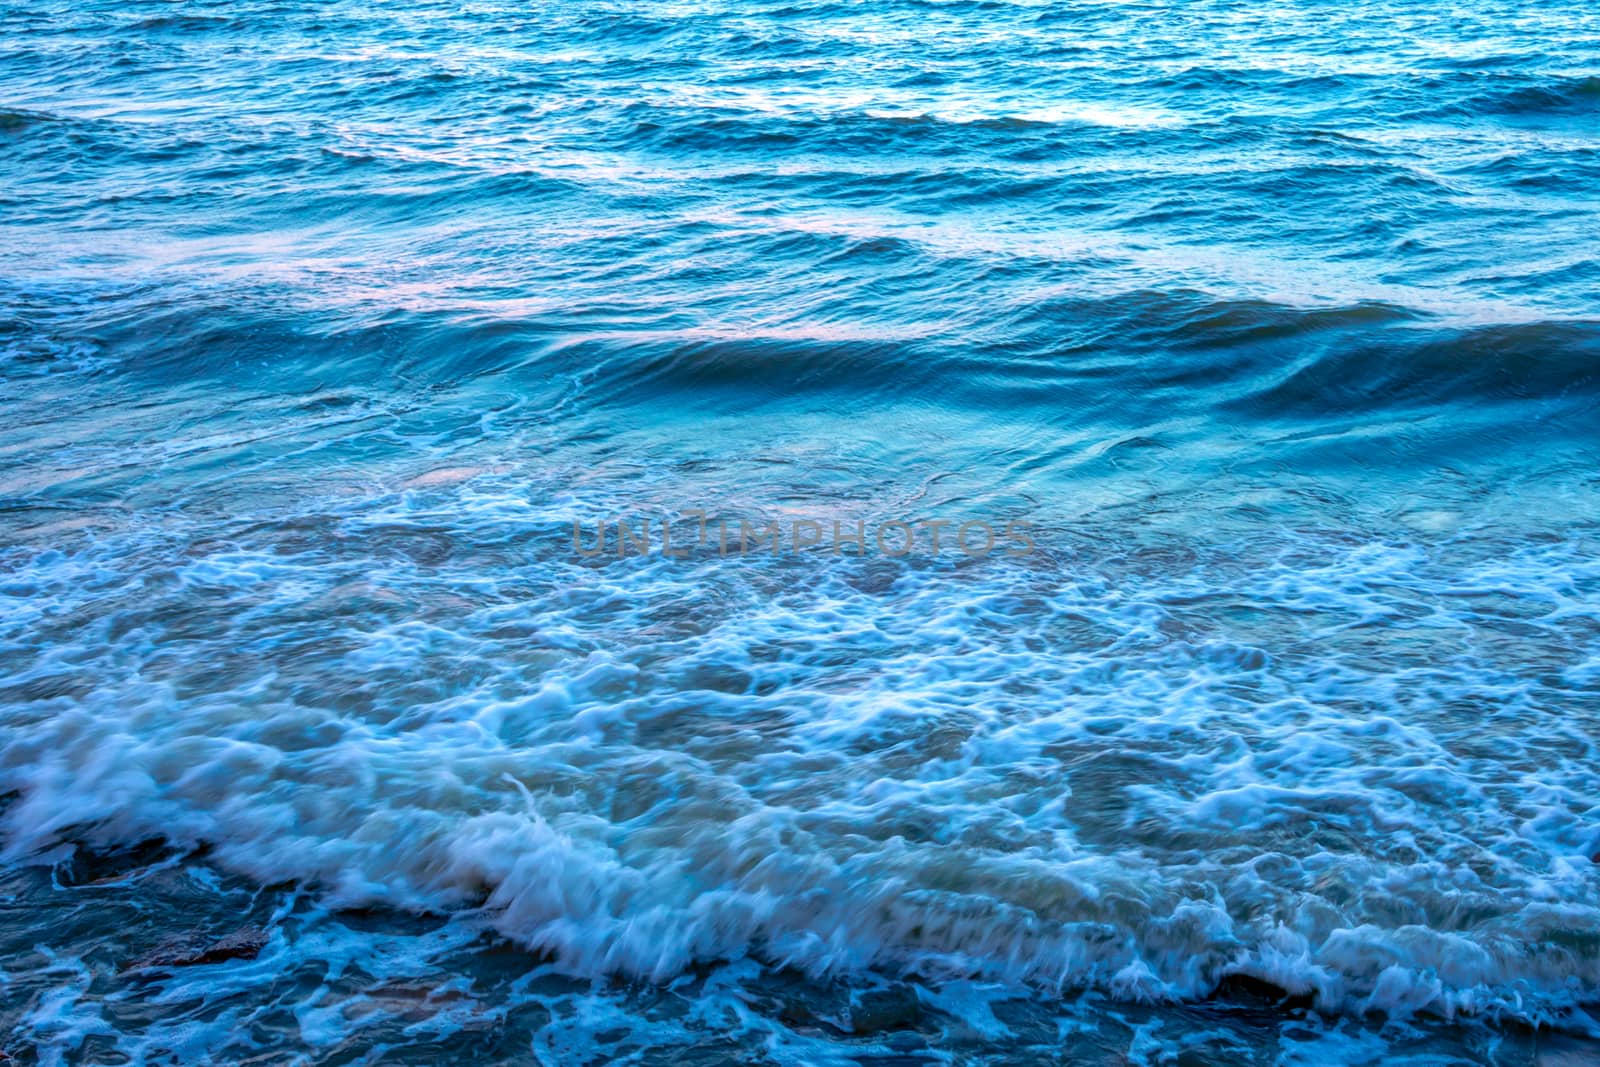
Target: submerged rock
[[1253, 991], [89, 866], [192, 950], [876, 1010]]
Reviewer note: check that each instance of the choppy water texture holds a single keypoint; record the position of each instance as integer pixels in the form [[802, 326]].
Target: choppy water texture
[[323, 322]]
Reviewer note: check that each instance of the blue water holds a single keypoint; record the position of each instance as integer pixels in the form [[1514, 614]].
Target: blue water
[[1263, 339]]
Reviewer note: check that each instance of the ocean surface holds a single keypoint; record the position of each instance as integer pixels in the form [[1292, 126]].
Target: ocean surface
[[356, 358]]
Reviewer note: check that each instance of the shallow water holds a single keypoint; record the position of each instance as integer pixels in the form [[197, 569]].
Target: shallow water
[[1265, 342]]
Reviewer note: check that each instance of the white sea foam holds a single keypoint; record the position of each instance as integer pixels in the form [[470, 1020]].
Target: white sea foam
[[1048, 776]]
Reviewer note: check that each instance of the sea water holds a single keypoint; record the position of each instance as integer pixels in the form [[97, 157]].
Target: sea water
[[469, 480]]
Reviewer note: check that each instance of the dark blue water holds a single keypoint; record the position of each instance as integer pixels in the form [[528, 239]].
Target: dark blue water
[[1243, 359]]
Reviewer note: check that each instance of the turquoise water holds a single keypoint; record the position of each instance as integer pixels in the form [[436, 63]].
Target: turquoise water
[[1244, 360]]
